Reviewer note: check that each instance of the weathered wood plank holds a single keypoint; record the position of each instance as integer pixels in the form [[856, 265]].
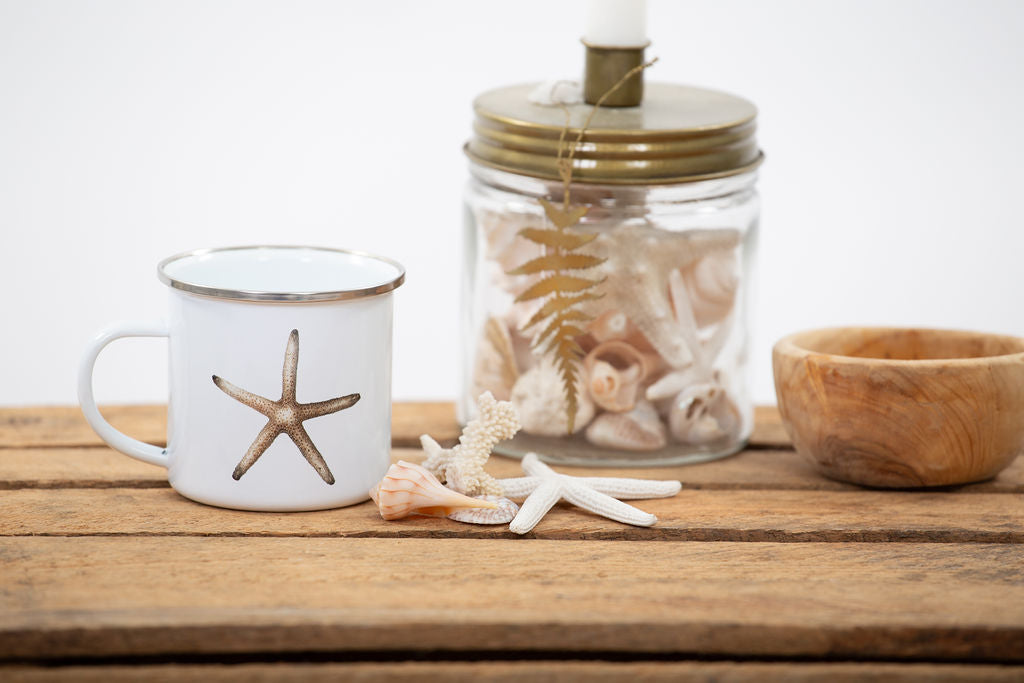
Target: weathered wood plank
[[122, 596], [101, 467], [64, 426], [409, 420], [760, 469], [768, 430], [84, 467], [693, 515], [54, 426], [518, 672]]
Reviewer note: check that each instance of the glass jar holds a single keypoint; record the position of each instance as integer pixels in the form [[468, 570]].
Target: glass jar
[[614, 321]]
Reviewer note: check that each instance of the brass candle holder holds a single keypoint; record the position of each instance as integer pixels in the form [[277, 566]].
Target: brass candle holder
[[606, 66]]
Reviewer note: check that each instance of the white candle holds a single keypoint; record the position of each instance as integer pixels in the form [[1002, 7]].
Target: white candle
[[616, 23]]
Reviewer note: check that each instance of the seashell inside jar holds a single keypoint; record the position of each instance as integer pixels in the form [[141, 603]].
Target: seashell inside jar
[[654, 369], [607, 261]]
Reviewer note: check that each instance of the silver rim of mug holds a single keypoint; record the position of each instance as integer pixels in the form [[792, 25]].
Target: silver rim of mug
[[281, 297]]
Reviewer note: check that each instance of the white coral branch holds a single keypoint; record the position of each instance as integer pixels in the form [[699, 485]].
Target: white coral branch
[[437, 457], [462, 468]]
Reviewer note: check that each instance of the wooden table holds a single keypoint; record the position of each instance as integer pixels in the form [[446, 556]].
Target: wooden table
[[758, 569]]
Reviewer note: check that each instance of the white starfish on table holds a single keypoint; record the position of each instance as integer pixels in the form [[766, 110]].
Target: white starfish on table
[[543, 487]]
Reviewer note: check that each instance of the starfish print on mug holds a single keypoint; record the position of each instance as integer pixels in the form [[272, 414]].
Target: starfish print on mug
[[285, 415]]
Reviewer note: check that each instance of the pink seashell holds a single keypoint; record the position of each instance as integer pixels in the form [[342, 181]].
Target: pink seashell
[[614, 373], [506, 248], [540, 401], [638, 430], [611, 325], [727, 415], [407, 488], [615, 325], [495, 368], [642, 292], [712, 283], [670, 384], [504, 512], [703, 413]]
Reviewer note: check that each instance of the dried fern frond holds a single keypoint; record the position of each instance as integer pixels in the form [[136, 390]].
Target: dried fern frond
[[562, 293], [497, 336], [567, 354], [560, 323], [552, 306], [556, 239], [556, 284], [557, 262]]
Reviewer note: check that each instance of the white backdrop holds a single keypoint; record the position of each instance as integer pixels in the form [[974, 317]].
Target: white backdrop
[[132, 130]]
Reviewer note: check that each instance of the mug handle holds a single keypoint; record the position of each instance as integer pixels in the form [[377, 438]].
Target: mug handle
[[117, 440]]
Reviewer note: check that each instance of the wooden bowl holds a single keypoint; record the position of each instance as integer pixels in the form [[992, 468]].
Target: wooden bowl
[[899, 408]]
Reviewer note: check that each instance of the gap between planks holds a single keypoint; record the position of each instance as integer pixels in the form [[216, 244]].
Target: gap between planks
[[101, 467], [64, 426], [692, 515], [504, 671]]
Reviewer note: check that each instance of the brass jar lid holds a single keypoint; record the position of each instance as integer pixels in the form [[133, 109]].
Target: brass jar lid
[[679, 134]]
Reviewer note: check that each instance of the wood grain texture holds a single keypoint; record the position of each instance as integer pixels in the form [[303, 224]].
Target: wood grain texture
[[759, 469], [410, 420], [693, 515], [85, 467], [768, 430], [519, 672], [64, 426], [903, 407], [98, 557], [57, 426], [101, 467], [120, 596]]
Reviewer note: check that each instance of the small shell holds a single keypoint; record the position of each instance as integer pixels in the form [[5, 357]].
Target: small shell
[[642, 292], [638, 430], [614, 372], [671, 383], [513, 320], [610, 325], [712, 283], [408, 488], [494, 368], [727, 415], [705, 430], [506, 248], [691, 418], [615, 325], [540, 400], [556, 93], [503, 514]]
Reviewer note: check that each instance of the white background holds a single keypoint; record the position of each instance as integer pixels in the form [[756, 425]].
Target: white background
[[132, 130]]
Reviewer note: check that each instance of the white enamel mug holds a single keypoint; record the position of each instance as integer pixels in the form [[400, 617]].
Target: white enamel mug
[[280, 376]]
